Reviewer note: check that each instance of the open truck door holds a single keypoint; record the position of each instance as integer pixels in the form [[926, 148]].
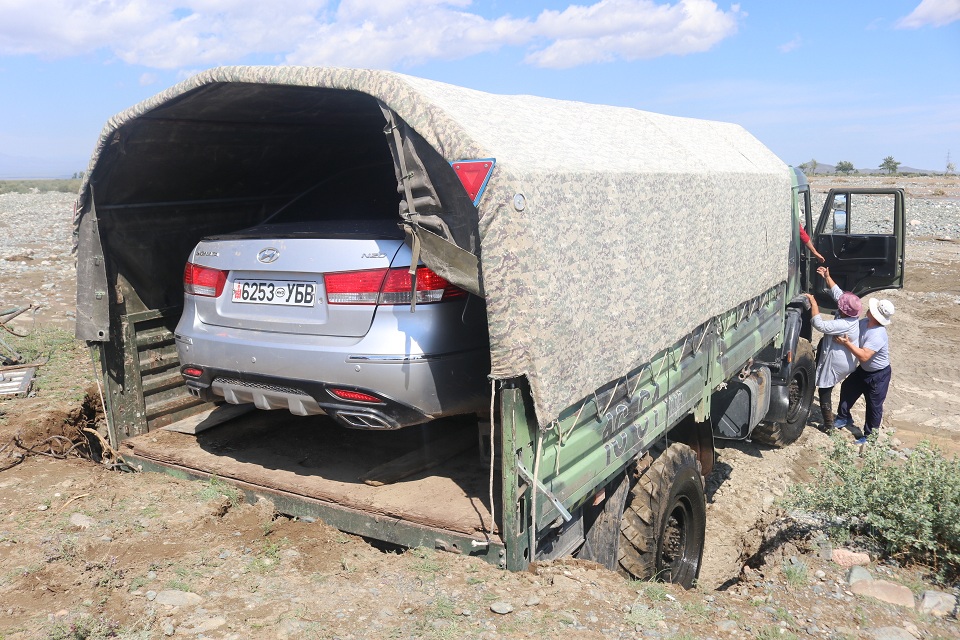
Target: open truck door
[[861, 235]]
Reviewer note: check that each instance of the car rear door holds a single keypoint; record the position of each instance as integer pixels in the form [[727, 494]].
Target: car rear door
[[861, 233]]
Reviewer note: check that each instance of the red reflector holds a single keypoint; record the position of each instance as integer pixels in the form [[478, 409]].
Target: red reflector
[[354, 396], [193, 372], [474, 175], [203, 281]]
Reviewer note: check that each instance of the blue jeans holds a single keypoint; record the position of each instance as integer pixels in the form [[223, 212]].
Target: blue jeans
[[873, 385]]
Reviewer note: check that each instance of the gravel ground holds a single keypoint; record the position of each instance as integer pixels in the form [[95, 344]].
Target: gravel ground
[[36, 264]]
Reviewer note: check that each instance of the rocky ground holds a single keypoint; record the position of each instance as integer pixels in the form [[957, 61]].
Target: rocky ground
[[90, 553]]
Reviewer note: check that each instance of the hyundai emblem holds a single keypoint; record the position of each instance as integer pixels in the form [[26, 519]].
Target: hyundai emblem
[[268, 255]]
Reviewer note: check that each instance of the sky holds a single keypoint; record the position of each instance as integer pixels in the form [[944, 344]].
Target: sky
[[824, 80]]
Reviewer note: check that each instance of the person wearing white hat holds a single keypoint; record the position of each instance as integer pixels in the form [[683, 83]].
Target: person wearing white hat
[[872, 378]]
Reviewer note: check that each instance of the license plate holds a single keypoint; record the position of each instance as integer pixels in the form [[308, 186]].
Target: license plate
[[283, 292]]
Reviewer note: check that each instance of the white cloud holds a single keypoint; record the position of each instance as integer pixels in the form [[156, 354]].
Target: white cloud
[[368, 35], [793, 45], [168, 34], [937, 13], [629, 30]]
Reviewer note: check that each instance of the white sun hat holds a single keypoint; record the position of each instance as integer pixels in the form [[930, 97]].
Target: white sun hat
[[881, 310]]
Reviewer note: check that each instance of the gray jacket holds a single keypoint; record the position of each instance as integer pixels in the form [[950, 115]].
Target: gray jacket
[[836, 362]]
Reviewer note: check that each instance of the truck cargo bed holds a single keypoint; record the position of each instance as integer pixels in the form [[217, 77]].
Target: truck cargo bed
[[316, 467]]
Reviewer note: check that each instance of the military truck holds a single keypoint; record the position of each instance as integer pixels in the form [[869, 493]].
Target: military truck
[[642, 276]]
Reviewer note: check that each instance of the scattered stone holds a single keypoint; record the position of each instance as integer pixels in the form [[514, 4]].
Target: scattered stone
[[210, 624], [820, 574], [570, 617], [42, 507], [564, 583], [884, 591], [858, 574], [175, 598], [728, 626], [825, 549], [532, 601], [167, 627], [82, 521], [151, 595], [502, 608], [289, 629], [890, 633], [937, 603], [847, 558]]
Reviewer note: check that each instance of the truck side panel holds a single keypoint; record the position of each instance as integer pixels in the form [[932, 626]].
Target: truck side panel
[[594, 441]]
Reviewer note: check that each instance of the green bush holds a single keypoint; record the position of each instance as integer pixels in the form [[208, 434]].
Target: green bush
[[911, 506], [85, 628]]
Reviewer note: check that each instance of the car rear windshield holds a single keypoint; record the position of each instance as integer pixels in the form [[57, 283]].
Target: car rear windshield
[[358, 193]]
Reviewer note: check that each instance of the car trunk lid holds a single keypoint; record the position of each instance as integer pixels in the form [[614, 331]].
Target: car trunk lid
[[275, 279]]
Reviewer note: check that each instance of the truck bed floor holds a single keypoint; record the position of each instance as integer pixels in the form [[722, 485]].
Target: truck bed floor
[[315, 458]]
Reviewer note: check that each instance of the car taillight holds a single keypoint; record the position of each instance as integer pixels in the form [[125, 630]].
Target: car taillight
[[203, 281], [193, 372], [388, 286]]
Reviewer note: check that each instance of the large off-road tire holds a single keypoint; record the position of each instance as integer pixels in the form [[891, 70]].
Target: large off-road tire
[[802, 386], [663, 525]]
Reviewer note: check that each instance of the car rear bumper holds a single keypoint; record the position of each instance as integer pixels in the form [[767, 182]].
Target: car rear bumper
[[296, 372]]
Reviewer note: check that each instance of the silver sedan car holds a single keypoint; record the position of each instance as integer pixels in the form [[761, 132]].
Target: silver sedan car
[[314, 316]]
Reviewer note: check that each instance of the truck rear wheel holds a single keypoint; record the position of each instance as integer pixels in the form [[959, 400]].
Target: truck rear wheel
[[802, 386], [663, 525]]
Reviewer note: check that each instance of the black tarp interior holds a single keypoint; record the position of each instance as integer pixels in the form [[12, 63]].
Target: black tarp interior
[[221, 158]]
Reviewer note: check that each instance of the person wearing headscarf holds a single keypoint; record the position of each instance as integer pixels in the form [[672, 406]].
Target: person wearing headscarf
[[872, 377], [834, 362]]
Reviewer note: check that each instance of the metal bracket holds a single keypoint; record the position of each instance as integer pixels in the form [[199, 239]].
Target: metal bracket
[[523, 473]]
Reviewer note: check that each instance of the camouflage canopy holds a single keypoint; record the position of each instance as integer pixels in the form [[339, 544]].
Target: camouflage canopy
[[604, 234]]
